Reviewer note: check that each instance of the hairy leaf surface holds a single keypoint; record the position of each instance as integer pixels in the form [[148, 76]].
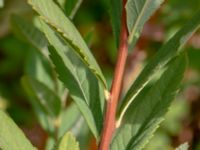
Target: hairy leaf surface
[[148, 109]]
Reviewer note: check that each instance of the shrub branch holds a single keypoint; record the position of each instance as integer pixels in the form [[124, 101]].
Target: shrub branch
[[111, 106]]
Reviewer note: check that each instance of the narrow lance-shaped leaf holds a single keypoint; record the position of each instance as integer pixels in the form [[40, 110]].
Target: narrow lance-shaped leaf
[[51, 13], [42, 116], [67, 142], [167, 52], [30, 33], [37, 63], [115, 15], [138, 12], [69, 118], [148, 109], [77, 77], [47, 98], [38, 67], [11, 137]]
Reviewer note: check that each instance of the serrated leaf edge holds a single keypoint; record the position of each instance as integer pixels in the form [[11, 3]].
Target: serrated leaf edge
[[85, 59]]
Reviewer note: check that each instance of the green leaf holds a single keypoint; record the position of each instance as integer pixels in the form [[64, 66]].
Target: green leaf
[[67, 142], [51, 13], [167, 52], [37, 64], [11, 137], [89, 37], [83, 87], [30, 33], [45, 121], [69, 118], [69, 7], [72, 7], [148, 109], [138, 12], [61, 3], [48, 100], [1, 3], [115, 15], [38, 67], [50, 143], [183, 146]]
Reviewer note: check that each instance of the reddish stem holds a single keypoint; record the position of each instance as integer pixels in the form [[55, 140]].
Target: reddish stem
[[110, 120]]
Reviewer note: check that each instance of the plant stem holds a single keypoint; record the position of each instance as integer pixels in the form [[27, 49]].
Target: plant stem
[[112, 102]]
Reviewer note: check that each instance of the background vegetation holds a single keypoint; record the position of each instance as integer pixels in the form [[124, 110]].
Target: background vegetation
[[183, 119]]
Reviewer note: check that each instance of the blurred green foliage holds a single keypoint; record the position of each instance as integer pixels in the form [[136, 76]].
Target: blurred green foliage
[[93, 22]]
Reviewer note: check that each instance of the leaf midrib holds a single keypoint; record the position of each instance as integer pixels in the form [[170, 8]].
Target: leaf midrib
[[95, 69], [160, 119], [73, 71], [137, 21]]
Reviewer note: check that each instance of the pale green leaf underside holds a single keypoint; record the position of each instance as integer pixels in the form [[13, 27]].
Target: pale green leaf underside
[[67, 142], [53, 15], [138, 12], [167, 52], [11, 137], [81, 83], [148, 109]]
